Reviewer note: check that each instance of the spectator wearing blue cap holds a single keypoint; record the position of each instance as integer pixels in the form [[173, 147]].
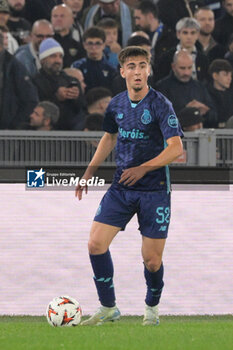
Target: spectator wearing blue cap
[[56, 86]]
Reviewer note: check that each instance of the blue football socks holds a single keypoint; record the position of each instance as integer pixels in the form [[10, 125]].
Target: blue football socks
[[103, 277], [154, 281]]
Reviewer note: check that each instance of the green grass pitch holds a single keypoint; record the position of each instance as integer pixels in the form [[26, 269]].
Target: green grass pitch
[[173, 333]]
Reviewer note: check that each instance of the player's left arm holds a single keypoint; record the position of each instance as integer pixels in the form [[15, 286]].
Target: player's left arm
[[173, 150]]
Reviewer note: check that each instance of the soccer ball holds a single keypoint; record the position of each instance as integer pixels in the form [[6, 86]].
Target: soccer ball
[[64, 311]]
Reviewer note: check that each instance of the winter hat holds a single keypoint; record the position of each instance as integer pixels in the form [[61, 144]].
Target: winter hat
[[48, 47], [4, 7]]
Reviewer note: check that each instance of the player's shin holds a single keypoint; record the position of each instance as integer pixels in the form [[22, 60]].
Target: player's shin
[[102, 266], [154, 281]]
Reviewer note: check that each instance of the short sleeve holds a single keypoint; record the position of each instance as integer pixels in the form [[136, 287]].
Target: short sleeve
[[109, 123], [168, 121]]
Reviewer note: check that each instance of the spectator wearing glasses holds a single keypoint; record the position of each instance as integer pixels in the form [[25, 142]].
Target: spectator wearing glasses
[[95, 68], [28, 54], [62, 22]]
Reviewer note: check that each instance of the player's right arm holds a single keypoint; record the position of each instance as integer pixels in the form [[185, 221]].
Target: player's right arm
[[105, 147]]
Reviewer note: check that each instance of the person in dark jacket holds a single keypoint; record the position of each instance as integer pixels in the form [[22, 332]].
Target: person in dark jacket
[[172, 11], [146, 17], [18, 96], [224, 25], [95, 67], [187, 31], [56, 86], [183, 91], [220, 91]]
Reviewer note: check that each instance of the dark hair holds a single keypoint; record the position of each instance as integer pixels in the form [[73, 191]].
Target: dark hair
[[133, 51], [94, 32], [107, 23], [219, 65], [96, 94], [94, 122], [51, 111], [138, 40], [148, 7]]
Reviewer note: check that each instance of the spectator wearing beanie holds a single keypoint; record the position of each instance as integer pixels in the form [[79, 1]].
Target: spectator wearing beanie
[[55, 85]]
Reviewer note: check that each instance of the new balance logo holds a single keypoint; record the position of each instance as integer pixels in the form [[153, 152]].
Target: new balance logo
[[163, 228]]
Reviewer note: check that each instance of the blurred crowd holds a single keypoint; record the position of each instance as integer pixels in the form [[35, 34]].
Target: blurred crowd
[[59, 59]]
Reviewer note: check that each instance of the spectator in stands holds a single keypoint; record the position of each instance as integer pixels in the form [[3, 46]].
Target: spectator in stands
[[76, 7], [171, 11], [115, 9], [4, 17], [229, 54], [77, 73], [219, 89], [112, 47], [190, 119], [224, 25], [55, 85], [44, 116], [28, 54], [62, 21], [187, 31], [95, 68], [18, 95], [94, 122], [18, 26], [97, 100], [183, 91], [40, 9], [210, 47], [147, 19]]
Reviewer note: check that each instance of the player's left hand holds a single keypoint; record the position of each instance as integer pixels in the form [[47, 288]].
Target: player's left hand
[[130, 176]]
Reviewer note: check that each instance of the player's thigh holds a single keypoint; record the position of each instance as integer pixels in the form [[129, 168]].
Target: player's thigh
[[152, 252], [101, 236]]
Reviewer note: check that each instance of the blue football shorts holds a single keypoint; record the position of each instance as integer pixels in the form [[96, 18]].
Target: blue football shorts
[[118, 206]]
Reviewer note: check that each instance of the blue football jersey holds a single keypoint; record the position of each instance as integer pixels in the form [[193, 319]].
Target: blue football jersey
[[143, 129]]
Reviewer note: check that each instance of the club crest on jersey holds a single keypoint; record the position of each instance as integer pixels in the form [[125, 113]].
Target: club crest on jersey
[[120, 116], [146, 117], [172, 121]]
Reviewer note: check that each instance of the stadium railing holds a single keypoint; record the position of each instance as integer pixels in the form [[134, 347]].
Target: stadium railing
[[206, 147]]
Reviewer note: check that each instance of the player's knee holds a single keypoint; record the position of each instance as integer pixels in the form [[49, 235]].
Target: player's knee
[[153, 264], [95, 247]]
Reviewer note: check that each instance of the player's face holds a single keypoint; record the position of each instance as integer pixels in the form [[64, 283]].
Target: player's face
[[183, 69], [188, 37], [136, 71], [206, 20], [228, 5], [37, 117], [223, 79]]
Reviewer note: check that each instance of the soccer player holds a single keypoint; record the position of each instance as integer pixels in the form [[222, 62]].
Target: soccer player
[[145, 128]]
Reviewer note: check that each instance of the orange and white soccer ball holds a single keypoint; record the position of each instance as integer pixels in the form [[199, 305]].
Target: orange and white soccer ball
[[64, 311]]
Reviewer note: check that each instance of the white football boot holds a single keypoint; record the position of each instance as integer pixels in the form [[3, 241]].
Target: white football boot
[[102, 315], [151, 316]]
